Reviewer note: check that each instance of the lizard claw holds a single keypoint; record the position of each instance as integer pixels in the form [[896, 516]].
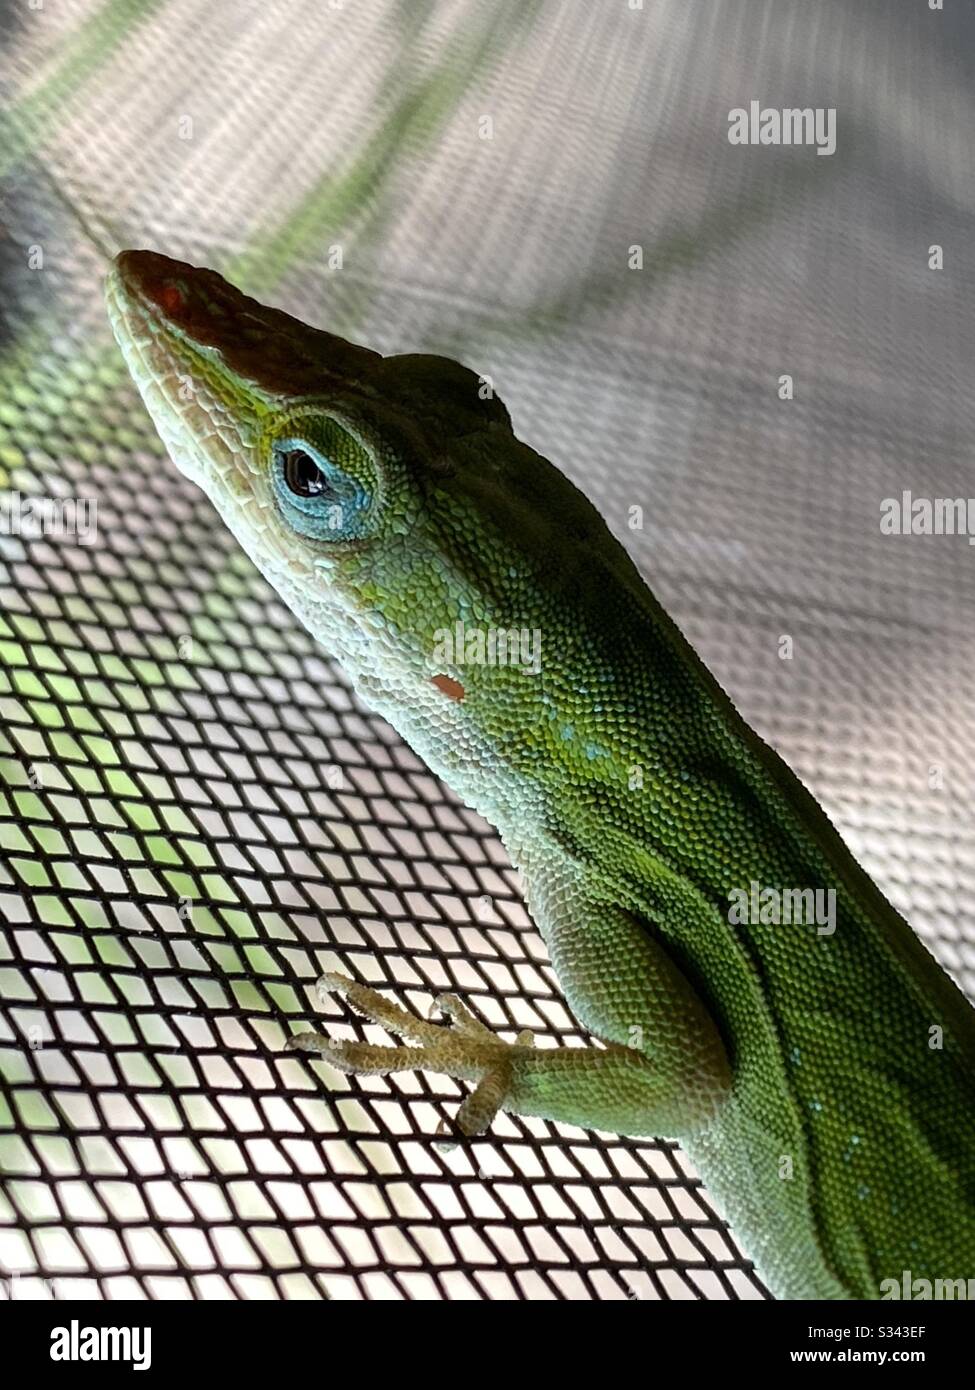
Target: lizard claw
[[465, 1050]]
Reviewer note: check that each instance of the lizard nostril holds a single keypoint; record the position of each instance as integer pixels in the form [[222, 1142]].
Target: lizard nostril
[[171, 298]]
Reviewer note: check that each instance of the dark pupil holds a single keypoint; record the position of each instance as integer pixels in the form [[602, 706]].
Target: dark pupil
[[303, 475]]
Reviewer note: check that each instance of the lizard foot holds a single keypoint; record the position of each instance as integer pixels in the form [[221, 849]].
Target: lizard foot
[[466, 1051]]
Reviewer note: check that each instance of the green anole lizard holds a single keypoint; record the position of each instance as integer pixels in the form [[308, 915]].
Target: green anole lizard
[[822, 1084]]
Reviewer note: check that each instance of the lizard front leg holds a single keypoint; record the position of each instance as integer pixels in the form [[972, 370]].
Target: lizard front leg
[[663, 1070]]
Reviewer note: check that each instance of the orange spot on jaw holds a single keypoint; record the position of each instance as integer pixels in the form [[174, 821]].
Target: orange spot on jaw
[[171, 299], [449, 687]]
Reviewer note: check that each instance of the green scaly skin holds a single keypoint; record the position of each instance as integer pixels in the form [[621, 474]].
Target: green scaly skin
[[801, 1071]]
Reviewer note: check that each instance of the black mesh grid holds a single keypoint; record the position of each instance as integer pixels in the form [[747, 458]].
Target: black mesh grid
[[196, 819], [172, 857]]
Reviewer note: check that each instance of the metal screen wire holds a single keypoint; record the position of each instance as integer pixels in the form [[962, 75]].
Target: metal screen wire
[[197, 819]]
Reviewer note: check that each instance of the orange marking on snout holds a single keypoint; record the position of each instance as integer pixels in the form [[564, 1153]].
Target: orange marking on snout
[[171, 299]]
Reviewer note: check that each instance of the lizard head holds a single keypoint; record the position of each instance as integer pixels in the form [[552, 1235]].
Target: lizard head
[[385, 498], [320, 455]]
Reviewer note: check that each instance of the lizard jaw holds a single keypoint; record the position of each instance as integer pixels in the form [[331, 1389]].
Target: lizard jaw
[[205, 424]]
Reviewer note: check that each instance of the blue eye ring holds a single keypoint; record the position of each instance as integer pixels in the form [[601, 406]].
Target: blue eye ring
[[319, 496]]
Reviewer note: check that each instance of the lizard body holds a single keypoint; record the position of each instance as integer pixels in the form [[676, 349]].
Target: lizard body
[[822, 1084]]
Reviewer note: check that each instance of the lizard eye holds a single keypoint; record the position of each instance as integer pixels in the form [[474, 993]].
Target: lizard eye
[[325, 482], [303, 475]]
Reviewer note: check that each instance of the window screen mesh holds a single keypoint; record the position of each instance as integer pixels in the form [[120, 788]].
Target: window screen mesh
[[197, 819]]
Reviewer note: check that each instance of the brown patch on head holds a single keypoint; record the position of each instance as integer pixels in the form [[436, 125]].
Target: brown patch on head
[[276, 352], [449, 687]]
